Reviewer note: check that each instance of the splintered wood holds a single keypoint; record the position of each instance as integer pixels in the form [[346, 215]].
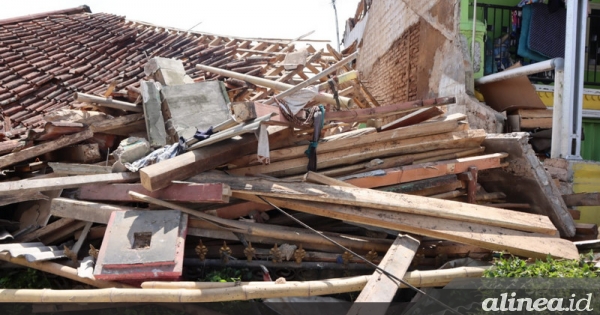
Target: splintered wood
[[189, 165]]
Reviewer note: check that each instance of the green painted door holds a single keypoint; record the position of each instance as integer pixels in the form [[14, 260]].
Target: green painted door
[[590, 146]]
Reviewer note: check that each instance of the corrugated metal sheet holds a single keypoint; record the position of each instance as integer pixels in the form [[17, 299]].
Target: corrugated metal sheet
[[33, 251], [590, 147]]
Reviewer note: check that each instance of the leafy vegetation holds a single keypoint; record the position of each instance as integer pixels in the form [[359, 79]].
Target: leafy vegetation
[[514, 267], [23, 279], [228, 275]]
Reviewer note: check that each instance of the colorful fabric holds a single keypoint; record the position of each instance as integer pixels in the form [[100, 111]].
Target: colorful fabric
[[526, 2]]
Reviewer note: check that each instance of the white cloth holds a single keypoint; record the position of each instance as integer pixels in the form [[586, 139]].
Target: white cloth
[[262, 152], [298, 100]]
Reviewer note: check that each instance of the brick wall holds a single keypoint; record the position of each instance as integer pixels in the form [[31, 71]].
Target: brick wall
[[393, 77], [412, 49]]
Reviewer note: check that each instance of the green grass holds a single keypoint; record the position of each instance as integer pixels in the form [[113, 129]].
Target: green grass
[[515, 267]]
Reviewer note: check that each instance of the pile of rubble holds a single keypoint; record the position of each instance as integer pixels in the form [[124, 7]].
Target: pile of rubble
[[249, 162]]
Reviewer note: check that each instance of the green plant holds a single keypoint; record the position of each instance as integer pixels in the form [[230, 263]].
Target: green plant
[[19, 279], [514, 267], [225, 275]]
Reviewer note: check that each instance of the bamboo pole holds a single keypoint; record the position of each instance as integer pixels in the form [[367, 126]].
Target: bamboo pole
[[107, 102], [421, 279], [60, 270], [325, 98], [230, 292]]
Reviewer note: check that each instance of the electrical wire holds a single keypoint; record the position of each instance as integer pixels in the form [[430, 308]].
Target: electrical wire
[[394, 279]]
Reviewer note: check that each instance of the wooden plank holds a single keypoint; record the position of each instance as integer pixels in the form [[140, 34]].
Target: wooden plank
[[485, 236], [536, 123], [380, 288], [37, 212], [470, 138], [78, 169], [388, 162], [420, 130], [450, 155], [421, 187], [160, 175], [582, 199], [317, 178], [364, 114], [33, 185], [50, 228], [575, 214], [534, 113], [107, 102], [393, 202], [239, 210], [177, 192], [64, 233], [29, 153], [408, 173], [106, 126], [268, 230], [586, 228], [84, 210], [415, 117]]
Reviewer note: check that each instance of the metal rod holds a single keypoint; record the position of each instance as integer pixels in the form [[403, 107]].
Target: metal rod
[[269, 264], [473, 34], [556, 63]]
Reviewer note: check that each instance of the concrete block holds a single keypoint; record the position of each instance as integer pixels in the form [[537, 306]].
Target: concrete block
[[155, 124], [194, 106]]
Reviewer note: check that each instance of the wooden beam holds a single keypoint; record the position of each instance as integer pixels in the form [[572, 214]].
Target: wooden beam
[[176, 192], [393, 202], [380, 288], [485, 236], [160, 175], [107, 102], [267, 230], [29, 153], [50, 228], [415, 117], [468, 139], [364, 114], [582, 199], [72, 209], [78, 169], [239, 210], [106, 126], [312, 177], [409, 173], [33, 185]]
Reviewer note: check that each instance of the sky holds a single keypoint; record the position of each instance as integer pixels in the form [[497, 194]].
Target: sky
[[243, 18]]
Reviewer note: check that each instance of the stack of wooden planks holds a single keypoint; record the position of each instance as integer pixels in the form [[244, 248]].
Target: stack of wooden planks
[[401, 179]]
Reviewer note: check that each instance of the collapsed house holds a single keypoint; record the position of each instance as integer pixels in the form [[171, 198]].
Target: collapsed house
[[146, 144]]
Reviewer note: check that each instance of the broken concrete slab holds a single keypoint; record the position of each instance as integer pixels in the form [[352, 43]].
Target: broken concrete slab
[[525, 180], [167, 71], [189, 107], [155, 124], [142, 244]]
